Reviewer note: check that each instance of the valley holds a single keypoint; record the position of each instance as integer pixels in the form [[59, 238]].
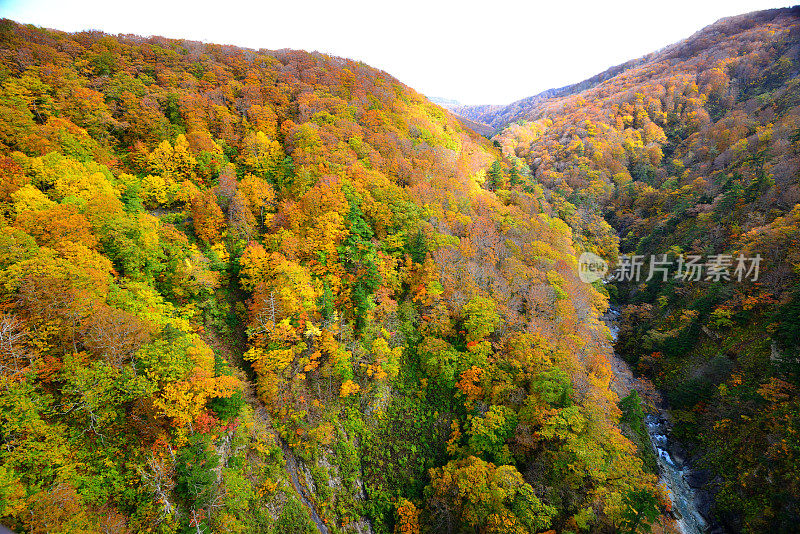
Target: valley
[[277, 291]]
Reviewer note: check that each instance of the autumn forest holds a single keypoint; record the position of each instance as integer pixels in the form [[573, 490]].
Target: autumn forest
[[254, 291]]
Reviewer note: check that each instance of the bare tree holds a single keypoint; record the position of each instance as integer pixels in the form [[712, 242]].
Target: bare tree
[[15, 355], [114, 334], [158, 475]]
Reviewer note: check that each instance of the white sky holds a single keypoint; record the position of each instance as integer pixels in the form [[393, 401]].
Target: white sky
[[486, 52]]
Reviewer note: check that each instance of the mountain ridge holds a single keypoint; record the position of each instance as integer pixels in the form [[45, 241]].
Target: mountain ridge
[[498, 116]]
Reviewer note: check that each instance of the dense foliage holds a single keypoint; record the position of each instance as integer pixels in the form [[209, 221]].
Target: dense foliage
[[217, 261], [695, 150]]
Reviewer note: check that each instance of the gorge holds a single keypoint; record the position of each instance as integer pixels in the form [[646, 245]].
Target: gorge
[[277, 291]]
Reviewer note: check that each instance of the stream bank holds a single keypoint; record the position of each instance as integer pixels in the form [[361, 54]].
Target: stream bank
[[685, 486]]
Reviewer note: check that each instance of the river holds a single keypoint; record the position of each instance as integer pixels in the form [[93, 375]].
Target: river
[[683, 484]]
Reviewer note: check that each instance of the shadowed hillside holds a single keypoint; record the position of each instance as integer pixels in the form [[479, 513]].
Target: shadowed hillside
[[693, 152]]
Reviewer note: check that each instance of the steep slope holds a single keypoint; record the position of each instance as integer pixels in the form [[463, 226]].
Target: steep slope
[[401, 296], [693, 153]]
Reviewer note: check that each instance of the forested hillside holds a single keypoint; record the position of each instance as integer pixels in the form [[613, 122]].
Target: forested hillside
[[500, 116], [695, 151], [240, 288]]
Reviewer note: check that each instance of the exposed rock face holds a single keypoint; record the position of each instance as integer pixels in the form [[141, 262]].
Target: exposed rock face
[[698, 478]]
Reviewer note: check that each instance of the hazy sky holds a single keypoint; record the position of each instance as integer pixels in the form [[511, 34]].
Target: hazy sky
[[487, 52]]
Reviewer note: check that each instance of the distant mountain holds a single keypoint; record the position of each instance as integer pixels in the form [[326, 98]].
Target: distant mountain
[[447, 103], [499, 116], [476, 126]]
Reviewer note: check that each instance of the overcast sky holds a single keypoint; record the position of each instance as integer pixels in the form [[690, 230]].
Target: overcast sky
[[486, 52]]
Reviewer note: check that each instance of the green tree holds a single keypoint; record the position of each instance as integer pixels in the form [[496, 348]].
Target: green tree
[[195, 464]]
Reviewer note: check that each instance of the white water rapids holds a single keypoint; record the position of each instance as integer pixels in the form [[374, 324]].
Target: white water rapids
[[674, 473]]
